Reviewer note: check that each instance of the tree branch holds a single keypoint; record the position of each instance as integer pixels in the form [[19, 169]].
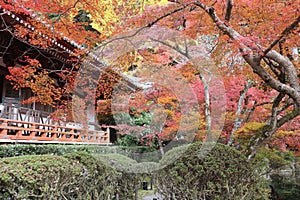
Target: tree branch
[[277, 70], [289, 68], [144, 27], [175, 48], [252, 57], [269, 129], [251, 110], [283, 34], [229, 5], [263, 133], [238, 120]]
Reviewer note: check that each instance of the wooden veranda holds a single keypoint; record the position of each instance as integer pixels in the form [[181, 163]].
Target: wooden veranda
[[23, 125], [14, 131]]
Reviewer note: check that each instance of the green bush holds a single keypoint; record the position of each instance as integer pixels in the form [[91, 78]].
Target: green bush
[[286, 188], [223, 173], [72, 176], [128, 140], [274, 158], [38, 177], [116, 161], [97, 179], [31, 149], [130, 173]]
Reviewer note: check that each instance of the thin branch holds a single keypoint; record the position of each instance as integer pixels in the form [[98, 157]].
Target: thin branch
[[144, 27], [229, 5], [267, 131], [176, 48], [65, 12], [251, 110], [283, 108], [289, 70], [283, 34], [273, 119], [186, 47]]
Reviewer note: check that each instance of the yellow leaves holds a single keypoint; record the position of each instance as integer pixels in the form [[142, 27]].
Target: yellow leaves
[[283, 133], [157, 2], [127, 61], [169, 112], [246, 132], [250, 127], [169, 102], [107, 14]]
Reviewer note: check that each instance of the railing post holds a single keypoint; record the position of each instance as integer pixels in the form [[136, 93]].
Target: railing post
[[72, 134], [55, 133], [108, 134], [3, 127], [33, 127], [62, 135]]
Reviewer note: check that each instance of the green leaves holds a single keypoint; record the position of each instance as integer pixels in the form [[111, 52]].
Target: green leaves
[[33, 176], [224, 173]]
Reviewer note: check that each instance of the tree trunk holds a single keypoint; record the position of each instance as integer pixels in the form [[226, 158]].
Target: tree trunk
[[238, 120], [161, 148], [209, 136], [136, 190]]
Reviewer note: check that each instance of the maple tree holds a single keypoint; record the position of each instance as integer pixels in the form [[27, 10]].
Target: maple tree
[[254, 43], [263, 33]]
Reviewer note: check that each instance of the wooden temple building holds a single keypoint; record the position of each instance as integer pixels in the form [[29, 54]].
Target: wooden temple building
[[31, 123]]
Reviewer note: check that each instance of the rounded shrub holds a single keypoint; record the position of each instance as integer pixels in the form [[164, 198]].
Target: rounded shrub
[[77, 175], [37, 177], [125, 181], [72, 176], [130, 173], [96, 179], [223, 173]]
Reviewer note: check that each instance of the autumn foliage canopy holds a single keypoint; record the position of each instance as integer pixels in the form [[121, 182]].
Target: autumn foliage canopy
[[254, 45]]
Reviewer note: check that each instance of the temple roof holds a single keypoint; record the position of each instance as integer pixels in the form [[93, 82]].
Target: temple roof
[[14, 46]]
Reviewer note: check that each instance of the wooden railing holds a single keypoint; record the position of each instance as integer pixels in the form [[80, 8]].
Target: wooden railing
[[31, 132]]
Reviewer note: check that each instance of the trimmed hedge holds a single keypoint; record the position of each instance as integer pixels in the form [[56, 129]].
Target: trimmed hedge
[[224, 173], [38, 177], [56, 149], [130, 173], [77, 175], [31, 149]]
